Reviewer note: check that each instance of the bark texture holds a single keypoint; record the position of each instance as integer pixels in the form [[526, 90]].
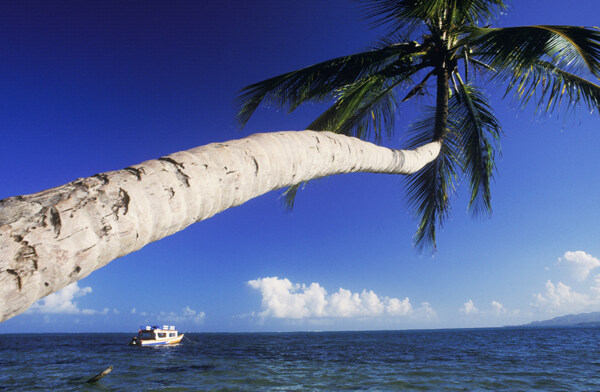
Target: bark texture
[[55, 237]]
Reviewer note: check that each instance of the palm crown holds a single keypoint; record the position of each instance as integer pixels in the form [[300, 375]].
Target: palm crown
[[439, 44]]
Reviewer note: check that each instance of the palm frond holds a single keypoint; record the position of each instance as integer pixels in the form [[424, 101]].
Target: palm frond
[[369, 104], [411, 15], [360, 110], [419, 87], [517, 48], [429, 191], [473, 121], [481, 65], [472, 12], [289, 195], [318, 82], [394, 38], [467, 147], [550, 86], [405, 15]]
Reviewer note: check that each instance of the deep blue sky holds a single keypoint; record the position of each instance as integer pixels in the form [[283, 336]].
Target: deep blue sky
[[89, 87]]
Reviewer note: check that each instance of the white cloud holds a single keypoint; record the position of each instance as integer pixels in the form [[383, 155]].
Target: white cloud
[[595, 289], [425, 311], [62, 302], [469, 308], [344, 303], [498, 308], [187, 315], [193, 315], [135, 311], [561, 298], [403, 307], [580, 263], [284, 299], [487, 314]]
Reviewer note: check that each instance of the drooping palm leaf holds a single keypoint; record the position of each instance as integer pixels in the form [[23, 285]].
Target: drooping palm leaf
[[475, 126], [552, 86], [467, 147], [318, 82], [376, 113], [429, 191], [517, 48], [368, 104], [289, 195]]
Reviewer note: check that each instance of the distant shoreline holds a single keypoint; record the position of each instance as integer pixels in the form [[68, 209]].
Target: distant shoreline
[[591, 319]]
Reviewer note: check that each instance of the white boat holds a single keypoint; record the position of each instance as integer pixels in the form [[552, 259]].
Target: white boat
[[154, 335]]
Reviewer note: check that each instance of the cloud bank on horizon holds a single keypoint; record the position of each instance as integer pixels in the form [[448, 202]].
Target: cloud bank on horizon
[[561, 298], [63, 302], [284, 299]]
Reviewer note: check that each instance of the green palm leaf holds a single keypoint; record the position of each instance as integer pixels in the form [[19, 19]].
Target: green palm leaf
[[321, 81], [467, 147], [473, 121], [410, 15], [356, 116], [517, 48], [429, 191], [289, 195], [365, 105], [551, 86]]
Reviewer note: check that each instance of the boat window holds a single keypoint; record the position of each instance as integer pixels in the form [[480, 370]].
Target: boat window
[[171, 334], [162, 335], [146, 335]]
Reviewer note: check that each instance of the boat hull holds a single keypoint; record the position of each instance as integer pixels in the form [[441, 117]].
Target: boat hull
[[160, 342]]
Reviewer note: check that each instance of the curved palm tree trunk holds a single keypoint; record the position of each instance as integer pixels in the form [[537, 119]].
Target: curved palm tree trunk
[[58, 236]]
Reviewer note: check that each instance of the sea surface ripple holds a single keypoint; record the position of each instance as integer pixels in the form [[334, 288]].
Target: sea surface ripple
[[503, 359]]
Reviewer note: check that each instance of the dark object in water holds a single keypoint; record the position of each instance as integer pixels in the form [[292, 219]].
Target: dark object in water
[[100, 375]]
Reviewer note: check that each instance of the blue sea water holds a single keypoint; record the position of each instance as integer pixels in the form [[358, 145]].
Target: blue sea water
[[503, 359]]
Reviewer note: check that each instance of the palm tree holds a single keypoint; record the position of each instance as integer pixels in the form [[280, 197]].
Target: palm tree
[[439, 44]]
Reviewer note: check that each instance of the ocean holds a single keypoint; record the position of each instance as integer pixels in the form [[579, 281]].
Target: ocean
[[502, 359]]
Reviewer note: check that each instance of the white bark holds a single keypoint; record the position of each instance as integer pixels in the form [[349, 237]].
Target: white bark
[[58, 236]]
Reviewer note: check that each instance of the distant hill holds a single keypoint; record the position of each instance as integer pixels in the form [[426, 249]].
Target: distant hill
[[581, 319]]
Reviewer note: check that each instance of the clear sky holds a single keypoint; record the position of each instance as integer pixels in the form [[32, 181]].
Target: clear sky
[[88, 87]]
